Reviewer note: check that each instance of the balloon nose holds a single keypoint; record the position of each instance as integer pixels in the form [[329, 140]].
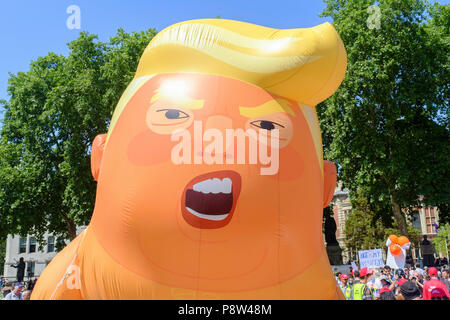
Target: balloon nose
[[219, 122]]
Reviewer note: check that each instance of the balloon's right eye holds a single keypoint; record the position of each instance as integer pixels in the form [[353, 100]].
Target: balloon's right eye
[[173, 114]]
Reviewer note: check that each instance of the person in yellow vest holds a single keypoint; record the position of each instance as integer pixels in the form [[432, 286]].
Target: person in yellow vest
[[360, 289], [346, 288]]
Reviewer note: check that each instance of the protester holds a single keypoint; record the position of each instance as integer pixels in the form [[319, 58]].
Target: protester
[[388, 273], [419, 269], [5, 291], [16, 293], [360, 289], [444, 262], [386, 294], [434, 289], [445, 278], [399, 279], [26, 295], [437, 262], [346, 288], [385, 282], [408, 291]]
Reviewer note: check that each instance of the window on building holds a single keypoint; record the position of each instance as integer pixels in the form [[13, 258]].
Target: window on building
[[51, 244], [30, 268], [32, 245], [22, 245], [430, 218], [415, 220]]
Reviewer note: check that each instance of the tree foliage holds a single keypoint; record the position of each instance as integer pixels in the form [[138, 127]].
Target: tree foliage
[[55, 111], [364, 230], [387, 126], [442, 239], [2, 254]]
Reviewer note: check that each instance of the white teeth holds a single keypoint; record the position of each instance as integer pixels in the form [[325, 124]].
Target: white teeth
[[214, 185], [207, 216]]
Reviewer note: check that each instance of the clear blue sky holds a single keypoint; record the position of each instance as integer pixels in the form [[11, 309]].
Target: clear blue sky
[[29, 29]]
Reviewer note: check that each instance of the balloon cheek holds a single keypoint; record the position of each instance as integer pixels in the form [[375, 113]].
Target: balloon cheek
[[148, 148], [291, 165]]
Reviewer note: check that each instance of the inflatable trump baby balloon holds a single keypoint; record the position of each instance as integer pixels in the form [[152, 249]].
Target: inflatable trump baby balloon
[[396, 254], [211, 181]]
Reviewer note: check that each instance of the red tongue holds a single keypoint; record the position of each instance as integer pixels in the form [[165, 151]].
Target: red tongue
[[210, 203]]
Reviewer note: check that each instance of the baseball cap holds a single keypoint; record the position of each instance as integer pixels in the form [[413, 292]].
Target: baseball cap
[[384, 289], [401, 281], [18, 284], [365, 271], [343, 276], [432, 272]]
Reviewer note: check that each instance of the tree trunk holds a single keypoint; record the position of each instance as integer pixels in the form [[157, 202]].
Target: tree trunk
[[72, 230], [399, 217]]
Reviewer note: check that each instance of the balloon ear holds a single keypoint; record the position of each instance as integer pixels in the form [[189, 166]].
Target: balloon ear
[[329, 183], [97, 154]]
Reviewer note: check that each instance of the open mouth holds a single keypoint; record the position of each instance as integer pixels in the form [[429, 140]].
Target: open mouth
[[209, 200]]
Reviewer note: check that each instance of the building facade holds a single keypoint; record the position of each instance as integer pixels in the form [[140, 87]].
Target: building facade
[[422, 219], [35, 258]]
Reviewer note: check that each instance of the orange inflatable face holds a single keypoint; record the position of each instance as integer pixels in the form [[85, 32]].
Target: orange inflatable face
[[211, 227]]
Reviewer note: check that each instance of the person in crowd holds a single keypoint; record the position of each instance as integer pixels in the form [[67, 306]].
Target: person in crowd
[[346, 288], [26, 295], [399, 279], [360, 289], [385, 282], [408, 291], [20, 269], [351, 279], [374, 283], [445, 278], [388, 273], [16, 293], [409, 259], [337, 276], [386, 294], [419, 269], [437, 262], [5, 290], [434, 289], [412, 269], [427, 252], [444, 262]]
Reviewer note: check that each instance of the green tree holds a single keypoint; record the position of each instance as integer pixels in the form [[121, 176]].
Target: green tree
[[442, 239], [387, 125], [365, 230], [54, 112], [2, 254]]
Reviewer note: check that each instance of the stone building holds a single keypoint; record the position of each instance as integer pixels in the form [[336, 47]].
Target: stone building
[[36, 259], [422, 219]]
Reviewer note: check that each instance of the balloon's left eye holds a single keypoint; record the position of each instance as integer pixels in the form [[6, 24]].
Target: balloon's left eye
[[267, 125], [173, 114]]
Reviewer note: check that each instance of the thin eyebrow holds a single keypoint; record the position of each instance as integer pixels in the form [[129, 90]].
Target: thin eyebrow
[[270, 107]]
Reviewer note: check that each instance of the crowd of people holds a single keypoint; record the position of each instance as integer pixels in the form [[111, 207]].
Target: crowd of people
[[16, 291], [410, 283]]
